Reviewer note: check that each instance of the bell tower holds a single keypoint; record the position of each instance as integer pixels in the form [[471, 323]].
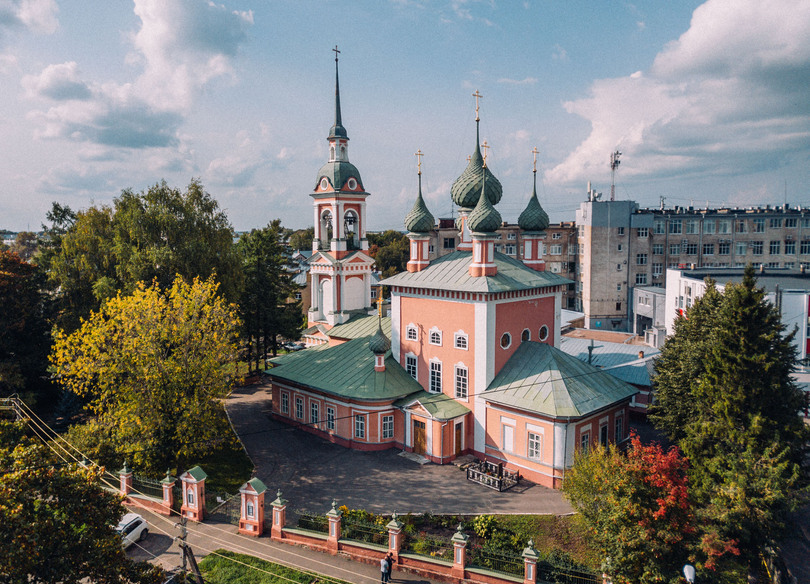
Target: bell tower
[[340, 264]]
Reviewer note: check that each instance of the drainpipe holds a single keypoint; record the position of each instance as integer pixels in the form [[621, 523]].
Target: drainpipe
[[441, 443]]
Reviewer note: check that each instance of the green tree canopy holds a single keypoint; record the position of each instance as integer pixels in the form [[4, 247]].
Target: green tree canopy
[[149, 236], [152, 365], [390, 250], [56, 522], [301, 240], [637, 509], [725, 394], [268, 306], [24, 331]]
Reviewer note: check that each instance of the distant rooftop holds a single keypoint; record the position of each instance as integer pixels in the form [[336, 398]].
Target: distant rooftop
[[768, 278]]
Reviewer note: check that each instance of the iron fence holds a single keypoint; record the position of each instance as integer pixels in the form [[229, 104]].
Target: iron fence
[[504, 562], [223, 507], [147, 486], [360, 530], [429, 545], [313, 522], [565, 575]]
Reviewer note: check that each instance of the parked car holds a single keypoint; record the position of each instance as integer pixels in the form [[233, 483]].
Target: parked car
[[294, 346], [132, 528]]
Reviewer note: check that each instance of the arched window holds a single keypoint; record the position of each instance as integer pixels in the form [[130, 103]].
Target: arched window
[[543, 333], [506, 341], [526, 336], [350, 227]]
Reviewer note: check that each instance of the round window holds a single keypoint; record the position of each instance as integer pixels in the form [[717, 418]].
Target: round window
[[526, 336], [506, 340], [324, 184], [352, 184], [543, 334]]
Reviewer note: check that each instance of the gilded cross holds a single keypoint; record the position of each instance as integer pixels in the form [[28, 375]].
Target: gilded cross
[[469, 158], [477, 96], [419, 156], [379, 302], [534, 165], [486, 147], [337, 52]]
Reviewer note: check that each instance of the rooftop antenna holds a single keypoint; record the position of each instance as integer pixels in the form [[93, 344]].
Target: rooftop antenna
[[614, 164]]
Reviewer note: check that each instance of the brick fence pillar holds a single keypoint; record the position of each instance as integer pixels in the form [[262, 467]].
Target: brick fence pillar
[[395, 536], [125, 477], [279, 517], [530, 557], [251, 516], [459, 540], [193, 482], [168, 494], [334, 516]]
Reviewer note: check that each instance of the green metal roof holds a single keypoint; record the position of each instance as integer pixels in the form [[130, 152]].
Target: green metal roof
[[256, 484], [484, 218], [197, 473], [438, 405], [360, 325], [533, 217], [337, 172], [541, 379], [466, 189], [379, 344], [345, 370], [451, 272]]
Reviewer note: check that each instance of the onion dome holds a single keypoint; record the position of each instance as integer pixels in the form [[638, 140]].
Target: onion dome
[[533, 217], [419, 219], [338, 173], [484, 218], [379, 343], [467, 187]]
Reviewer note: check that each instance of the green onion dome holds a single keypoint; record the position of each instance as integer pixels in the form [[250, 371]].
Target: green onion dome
[[419, 219], [467, 187], [484, 218], [533, 217], [379, 343]]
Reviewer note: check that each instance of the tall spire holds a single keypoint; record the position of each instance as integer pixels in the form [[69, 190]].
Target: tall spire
[[337, 130]]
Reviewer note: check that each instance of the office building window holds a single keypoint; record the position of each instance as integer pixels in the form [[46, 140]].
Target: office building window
[[675, 226], [776, 223], [691, 249], [742, 226], [641, 279], [555, 249], [708, 226], [658, 227], [790, 247], [708, 249], [657, 269], [741, 248], [641, 259], [775, 248], [658, 249], [756, 247], [724, 248], [804, 248], [620, 230], [759, 225], [643, 231], [790, 222], [674, 249], [724, 226], [691, 226], [449, 243], [509, 249]]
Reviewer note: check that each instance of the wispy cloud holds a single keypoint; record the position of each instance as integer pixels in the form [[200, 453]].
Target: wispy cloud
[[559, 53], [524, 81]]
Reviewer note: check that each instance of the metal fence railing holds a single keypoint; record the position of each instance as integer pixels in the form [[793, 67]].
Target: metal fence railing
[[313, 522], [565, 575], [429, 545], [147, 486], [359, 530], [507, 563]]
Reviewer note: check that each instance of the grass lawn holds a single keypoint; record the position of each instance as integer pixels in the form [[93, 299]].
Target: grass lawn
[[242, 569], [567, 533]]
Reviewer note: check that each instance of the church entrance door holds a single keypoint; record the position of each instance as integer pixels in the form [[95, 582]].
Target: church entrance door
[[459, 428], [419, 437]]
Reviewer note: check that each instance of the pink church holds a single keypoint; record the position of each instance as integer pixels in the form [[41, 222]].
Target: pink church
[[467, 362]]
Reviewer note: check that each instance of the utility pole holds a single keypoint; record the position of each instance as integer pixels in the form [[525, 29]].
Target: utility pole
[[614, 164], [188, 555]]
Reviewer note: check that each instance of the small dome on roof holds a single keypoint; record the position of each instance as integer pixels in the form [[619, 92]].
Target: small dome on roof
[[419, 219], [338, 172], [533, 217], [379, 343], [484, 218], [466, 188]]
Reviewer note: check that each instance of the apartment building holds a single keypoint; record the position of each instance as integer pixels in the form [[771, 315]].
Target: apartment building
[[560, 250], [623, 247]]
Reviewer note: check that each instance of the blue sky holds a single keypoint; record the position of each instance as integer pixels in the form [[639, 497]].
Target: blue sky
[[707, 101]]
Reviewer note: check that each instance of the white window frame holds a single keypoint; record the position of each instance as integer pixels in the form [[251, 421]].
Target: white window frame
[[285, 402], [462, 381], [315, 414], [411, 332], [190, 496], [330, 418], [534, 445], [249, 509], [618, 429], [460, 338], [360, 426], [435, 381], [299, 408], [388, 427], [410, 359], [585, 440], [435, 336]]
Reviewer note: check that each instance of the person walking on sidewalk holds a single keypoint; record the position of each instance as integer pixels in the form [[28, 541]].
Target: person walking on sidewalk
[[389, 560], [385, 570]]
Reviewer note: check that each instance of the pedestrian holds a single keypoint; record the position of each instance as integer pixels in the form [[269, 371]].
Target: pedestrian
[[389, 560], [384, 570]]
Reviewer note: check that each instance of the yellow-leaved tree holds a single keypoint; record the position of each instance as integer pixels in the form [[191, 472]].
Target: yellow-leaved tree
[[153, 367]]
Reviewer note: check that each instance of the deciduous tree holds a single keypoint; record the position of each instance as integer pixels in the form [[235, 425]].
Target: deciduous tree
[[637, 508], [56, 522], [152, 366]]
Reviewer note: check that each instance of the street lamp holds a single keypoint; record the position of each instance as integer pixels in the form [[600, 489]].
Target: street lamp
[[689, 572]]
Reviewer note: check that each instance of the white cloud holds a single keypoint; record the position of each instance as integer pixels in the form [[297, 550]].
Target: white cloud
[[524, 81], [559, 54], [181, 45], [38, 15], [727, 97], [7, 63]]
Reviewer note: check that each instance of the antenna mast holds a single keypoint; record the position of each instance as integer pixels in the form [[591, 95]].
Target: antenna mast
[[614, 164]]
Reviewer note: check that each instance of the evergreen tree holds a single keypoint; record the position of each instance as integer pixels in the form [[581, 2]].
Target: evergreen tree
[[726, 396]]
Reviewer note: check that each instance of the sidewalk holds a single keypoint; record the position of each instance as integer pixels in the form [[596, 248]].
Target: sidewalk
[[204, 538]]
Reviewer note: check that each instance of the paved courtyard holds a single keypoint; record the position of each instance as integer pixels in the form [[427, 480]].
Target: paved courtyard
[[311, 472]]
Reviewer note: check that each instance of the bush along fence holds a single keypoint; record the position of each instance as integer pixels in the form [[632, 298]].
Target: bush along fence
[[446, 559]]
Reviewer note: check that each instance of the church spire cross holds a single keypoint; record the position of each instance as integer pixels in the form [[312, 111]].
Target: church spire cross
[[337, 52], [535, 151], [419, 156], [477, 96], [485, 147]]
